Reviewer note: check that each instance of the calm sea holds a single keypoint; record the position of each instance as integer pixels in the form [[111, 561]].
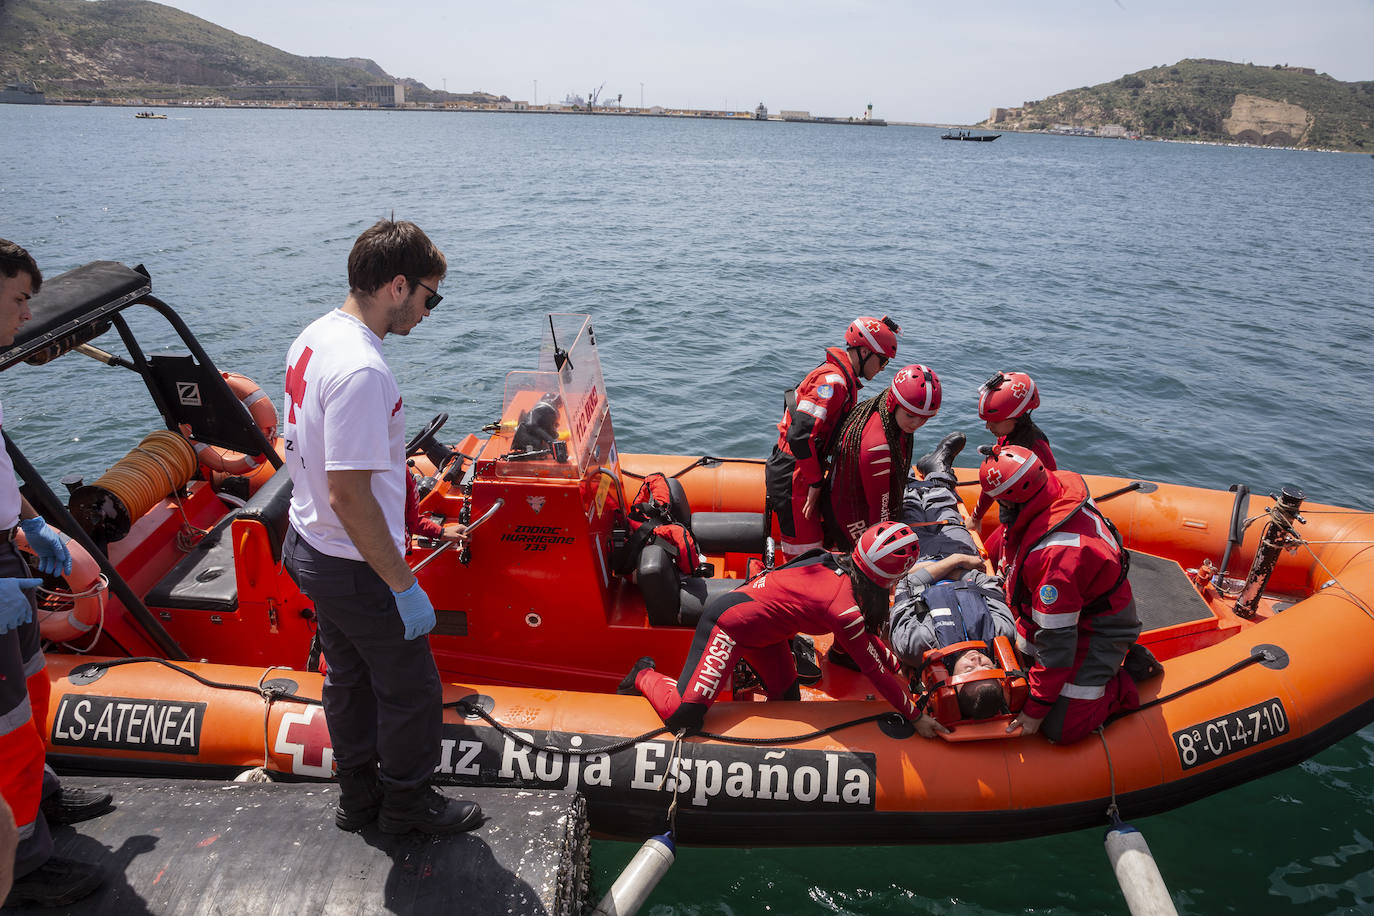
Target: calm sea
[[1194, 314]]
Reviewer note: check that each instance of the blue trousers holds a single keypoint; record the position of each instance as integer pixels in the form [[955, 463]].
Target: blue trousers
[[382, 695]]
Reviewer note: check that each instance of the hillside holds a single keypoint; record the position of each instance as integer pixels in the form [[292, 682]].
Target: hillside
[[78, 48], [1215, 100]]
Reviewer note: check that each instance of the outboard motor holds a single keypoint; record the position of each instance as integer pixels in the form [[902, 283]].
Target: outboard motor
[[1278, 534]]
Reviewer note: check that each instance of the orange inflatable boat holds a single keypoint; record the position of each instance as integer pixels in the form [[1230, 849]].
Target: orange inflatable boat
[[1259, 610]]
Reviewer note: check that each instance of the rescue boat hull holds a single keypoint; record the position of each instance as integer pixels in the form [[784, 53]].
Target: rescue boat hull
[[870, 782]]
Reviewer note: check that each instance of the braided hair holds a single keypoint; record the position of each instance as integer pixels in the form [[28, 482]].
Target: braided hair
[[846, 484]]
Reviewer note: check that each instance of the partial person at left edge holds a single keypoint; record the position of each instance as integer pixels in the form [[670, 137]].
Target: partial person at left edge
[[28, 785]]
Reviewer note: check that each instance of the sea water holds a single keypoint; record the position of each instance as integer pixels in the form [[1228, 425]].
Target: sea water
[[1195, 314]]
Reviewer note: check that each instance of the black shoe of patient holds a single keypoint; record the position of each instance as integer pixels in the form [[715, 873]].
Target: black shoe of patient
[[1141, 664], [837, 656], [804, 654], [627, 685], [942, 459]]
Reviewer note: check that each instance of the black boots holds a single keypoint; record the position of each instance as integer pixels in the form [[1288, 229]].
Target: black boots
[[425, 809], [1141, 664], [72, 805], [57, 882], [627, 684], [942, 459], [804, 655], [360, 797]]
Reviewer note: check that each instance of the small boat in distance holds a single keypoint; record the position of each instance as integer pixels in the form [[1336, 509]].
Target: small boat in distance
[[965, 135], [152, 115]]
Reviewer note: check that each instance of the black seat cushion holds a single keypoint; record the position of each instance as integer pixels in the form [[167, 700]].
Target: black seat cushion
[[729, 532], [670, 598], [205, 579]]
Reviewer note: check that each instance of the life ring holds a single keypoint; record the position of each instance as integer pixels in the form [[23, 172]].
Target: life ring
[[215, 460], [80, 606]]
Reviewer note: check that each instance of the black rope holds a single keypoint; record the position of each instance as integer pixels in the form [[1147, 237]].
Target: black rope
[[280, 693], [1130, 487], [274, 693], [794, 739], [618, 746], [703, 460], [1226, 672], [615, 747]]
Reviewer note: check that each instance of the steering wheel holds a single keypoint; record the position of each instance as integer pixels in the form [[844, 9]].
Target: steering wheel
[[424, 440]]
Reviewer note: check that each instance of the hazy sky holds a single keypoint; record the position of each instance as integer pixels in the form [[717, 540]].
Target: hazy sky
[[914, 61]]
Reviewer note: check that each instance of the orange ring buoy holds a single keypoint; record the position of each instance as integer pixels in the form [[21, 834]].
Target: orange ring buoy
[[87, 593], [259, 406]]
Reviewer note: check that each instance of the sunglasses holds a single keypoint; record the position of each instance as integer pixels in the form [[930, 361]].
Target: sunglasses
[[433, 299]]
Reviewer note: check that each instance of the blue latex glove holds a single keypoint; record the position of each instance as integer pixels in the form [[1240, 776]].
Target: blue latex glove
[[54, 559], [416, 611], [16, 607]]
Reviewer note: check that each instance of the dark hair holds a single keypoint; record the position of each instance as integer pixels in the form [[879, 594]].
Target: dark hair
[[391, 248], [13, 259], [977, 699], [846, 484], [1025, 433], [980, 699], [874, 600]]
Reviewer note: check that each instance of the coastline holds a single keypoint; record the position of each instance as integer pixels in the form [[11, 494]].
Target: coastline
[[698, 114]]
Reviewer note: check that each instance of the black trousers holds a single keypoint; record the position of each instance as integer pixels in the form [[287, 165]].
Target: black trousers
[[382, 694]]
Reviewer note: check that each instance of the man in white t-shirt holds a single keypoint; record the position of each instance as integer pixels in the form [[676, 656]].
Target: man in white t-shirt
[[27, 784], [344, 430]]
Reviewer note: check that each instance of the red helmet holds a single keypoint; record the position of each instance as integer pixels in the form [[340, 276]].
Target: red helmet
[[1012, 474], [885, 552], [876, 334], [917, 389], [1006, 396]]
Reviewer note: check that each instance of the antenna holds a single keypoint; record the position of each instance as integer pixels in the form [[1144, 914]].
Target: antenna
[[560, 356]]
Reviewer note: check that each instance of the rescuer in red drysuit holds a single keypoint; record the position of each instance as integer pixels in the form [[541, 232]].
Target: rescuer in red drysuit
[[819, 593], [810, 422], [873, 455], [1005, 402], [417, 524], [1065, 571]]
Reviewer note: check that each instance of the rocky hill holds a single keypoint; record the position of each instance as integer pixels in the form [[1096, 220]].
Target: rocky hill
[[1215, 100], [79, 48]]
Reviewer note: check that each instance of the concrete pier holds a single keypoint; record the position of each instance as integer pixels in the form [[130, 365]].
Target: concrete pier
[[200, 847]]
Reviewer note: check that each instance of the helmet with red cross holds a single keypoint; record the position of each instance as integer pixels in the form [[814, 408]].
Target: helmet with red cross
[[1006, 396], [1012, 474], [878, 335], [885, 552]]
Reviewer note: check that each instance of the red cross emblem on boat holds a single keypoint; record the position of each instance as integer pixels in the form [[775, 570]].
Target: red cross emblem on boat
[[304, 737]]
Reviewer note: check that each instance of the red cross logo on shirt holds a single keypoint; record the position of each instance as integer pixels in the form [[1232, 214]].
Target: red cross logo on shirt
[[295, 384]]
